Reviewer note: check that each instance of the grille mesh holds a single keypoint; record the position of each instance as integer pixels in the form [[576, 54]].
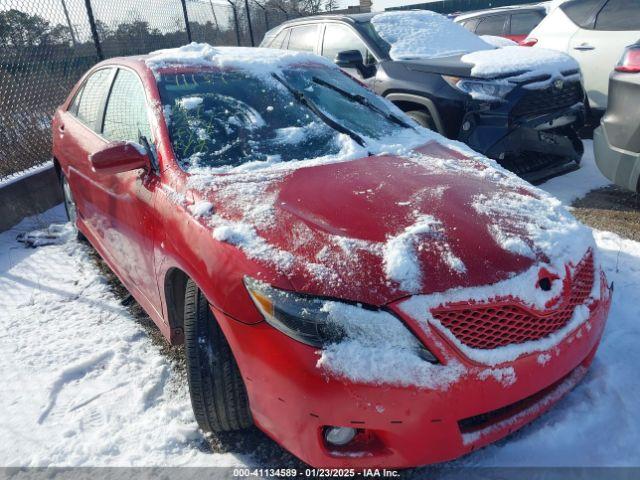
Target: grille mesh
[[505, 322], [548, 99]]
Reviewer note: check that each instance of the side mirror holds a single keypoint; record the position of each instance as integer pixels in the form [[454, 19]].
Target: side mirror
[[118, 157], [350, 59]]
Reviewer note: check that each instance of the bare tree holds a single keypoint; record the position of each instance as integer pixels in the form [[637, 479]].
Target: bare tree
[[331, 5]]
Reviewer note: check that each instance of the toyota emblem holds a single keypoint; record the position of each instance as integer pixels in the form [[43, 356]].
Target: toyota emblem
[[559, 84]]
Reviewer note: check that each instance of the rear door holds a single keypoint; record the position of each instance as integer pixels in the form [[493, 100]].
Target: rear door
[[599, 44], [304, 38], [78, 137]]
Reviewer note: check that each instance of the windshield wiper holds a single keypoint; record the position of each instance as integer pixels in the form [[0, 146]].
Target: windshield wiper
[[302, 98], [362, 100]]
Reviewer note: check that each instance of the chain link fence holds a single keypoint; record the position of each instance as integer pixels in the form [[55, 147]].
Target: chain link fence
[[46, 45]]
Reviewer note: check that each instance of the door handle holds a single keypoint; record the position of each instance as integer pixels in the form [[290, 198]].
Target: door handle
[[584, 46]]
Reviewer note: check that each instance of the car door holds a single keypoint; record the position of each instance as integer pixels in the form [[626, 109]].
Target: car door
[[78, 137], [599, 45], [339, 38], [126, 200]]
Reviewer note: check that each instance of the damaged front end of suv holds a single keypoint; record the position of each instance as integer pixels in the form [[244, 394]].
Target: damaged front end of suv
[[529, 126]]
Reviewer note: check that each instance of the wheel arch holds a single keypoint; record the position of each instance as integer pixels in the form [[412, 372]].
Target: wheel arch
[[409, 101], [175, 285]]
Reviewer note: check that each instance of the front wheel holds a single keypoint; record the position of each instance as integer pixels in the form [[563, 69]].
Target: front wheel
[[218, 395]]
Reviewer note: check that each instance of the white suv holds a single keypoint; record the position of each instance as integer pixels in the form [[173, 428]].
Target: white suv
[[595, 33]]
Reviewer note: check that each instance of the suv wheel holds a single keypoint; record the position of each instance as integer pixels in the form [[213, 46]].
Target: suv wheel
[[218, 394], [423, 118]]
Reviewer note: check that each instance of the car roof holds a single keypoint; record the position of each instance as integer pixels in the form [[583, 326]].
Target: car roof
[[496, 10], [352, 18]]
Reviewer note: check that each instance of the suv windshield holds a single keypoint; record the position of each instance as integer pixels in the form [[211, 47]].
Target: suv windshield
[[227, 118]]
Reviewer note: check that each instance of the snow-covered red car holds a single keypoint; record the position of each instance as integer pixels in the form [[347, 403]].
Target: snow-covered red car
[[366, 292]]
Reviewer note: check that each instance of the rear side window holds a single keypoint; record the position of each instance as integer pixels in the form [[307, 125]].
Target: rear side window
[[619, 15], [470, 24], [581, 11], [75, 103], [493, 25], [304, 38], [126, 114], [523, 23], [92, 98], [280, 40]]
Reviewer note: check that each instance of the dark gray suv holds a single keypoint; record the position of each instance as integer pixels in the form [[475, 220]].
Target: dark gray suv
[[531, 131]]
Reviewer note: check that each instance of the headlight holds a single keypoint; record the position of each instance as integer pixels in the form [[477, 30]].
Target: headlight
[[486, 90], [319, 322]]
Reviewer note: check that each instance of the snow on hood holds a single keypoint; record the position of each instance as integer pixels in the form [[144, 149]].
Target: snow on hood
[[425, 34], [525, 62], [498, 41]]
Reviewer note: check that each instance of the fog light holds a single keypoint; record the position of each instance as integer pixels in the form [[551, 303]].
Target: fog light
[[339, 435]]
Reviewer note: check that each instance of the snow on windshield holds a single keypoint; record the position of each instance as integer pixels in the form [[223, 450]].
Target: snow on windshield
[[425, 34]]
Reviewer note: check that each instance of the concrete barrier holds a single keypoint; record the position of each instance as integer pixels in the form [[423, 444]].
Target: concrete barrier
[[27, 195]]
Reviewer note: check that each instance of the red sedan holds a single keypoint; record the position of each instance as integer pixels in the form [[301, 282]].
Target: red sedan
[[365, 291]]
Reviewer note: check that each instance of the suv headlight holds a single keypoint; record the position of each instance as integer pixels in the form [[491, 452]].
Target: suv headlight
[[485, 90], [320, 322]]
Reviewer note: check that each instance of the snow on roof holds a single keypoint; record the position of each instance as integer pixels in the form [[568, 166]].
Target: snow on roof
[[425, 34], [259, 60]]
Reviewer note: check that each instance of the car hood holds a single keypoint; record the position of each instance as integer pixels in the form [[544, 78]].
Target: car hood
[[379, 228], [515, 63]]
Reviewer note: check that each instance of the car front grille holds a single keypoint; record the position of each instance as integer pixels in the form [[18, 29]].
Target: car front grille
[[507, 321], [549, 99]]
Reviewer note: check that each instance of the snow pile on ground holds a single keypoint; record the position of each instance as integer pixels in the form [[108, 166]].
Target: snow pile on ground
[[574, 185], [425, 34], [82, 382]]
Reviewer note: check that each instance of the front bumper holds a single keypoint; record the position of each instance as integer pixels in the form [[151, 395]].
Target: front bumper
[[292, 400], [535, 147], [621, 167]]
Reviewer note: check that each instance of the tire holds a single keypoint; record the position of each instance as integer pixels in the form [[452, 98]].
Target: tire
[[70, 207], [218, 395], [423, 118]]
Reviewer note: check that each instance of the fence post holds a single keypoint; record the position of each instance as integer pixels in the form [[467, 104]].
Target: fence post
[[235, 21], [94, 30], [186, 19], [246, 6]]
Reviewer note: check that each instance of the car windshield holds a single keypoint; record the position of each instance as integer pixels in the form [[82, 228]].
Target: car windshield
[[231, 117]]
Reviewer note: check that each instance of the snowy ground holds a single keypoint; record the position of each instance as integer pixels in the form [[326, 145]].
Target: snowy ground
[[84, 383]]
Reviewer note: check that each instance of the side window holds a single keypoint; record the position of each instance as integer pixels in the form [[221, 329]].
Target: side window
[[280, 40], [493, 25], [470, 24], [304, 38], [93, 93], [523, 23], [581, 12], [619, 15], [126, 114], [338, 38], [75, 103]]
